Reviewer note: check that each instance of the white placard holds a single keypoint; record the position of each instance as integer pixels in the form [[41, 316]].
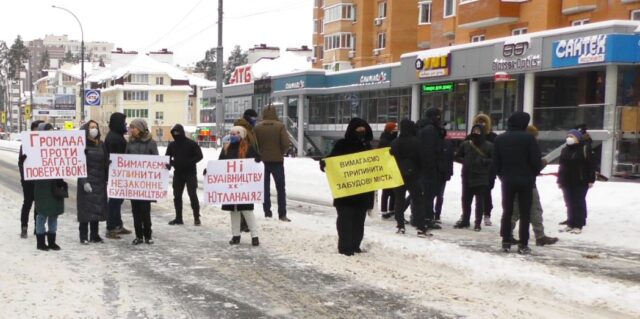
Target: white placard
[[143, 177], [54, 154], [238, 181]]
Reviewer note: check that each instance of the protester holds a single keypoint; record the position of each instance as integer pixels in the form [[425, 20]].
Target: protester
[[517, 162], [184, 154], [115, 143], [448, 153], [48, 206], [490, 136], [408, 154], [238, 148], [434, 167], [248, 121], [141, 142], [27, 191], [576, 175], [475, 156], [352, 210], [536, 208], [387, 203], [273, 142]]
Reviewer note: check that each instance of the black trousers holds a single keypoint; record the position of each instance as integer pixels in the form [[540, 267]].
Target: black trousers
[[430, 189], [440, 199], [576, 202], [350, 225], [388, 200], [488, 201], [468, 193], [142, 218], [84, 230], [28, 195], [412, 185], [524, 193], [191, 181]]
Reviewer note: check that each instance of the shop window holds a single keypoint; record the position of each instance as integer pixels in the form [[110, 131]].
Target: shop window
[[519, 31], [499, 101], [449, 8], [425, 12]]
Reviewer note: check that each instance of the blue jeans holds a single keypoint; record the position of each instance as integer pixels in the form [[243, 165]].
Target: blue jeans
[[52, 222], [114, 216], [277, 170]]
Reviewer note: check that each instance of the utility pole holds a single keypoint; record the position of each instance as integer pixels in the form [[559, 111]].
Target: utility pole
[[219, 78], [19, 96], [30, 92]]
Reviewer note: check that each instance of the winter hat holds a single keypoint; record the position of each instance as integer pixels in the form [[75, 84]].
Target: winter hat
[[140, 124], [34, 125], [390, 126], [576, 134], [45, 127], [249, 113], [531, 129], [239, 130]]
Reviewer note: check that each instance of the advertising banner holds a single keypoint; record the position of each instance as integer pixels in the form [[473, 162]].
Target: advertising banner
[[54, 154], [142, 177], [239, 181]]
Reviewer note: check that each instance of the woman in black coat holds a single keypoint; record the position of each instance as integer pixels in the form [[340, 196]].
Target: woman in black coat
[[352, 210], [92, 190], [576, 175]]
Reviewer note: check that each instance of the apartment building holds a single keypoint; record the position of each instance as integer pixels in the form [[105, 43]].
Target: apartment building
[[357, 33]]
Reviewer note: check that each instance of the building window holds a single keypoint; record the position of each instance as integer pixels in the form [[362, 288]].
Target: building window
[[137, 78], [382, 9], [160, 98], [635, 15], [338, 41], [579, 22], [382, 40], [449, 8], [425, 12], [519, 31], [160, 116], [136, 95], [467, 1], [136, 113], [339, 12], [318, 52], [159, 81], [477, 38]]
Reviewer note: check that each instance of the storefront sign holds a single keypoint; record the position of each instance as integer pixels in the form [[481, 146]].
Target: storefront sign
[[515, 58], [55, 113], [442, 87], [433, 66], [142, 177], [239, 181], [456, 135], [294, 85], [362, 172], [262, 86], [374, 78], [583, 50], [54, 154], [501, 77], [241, 74]]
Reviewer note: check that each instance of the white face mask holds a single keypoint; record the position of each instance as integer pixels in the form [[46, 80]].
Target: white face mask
[[571, 141], [93, 132]]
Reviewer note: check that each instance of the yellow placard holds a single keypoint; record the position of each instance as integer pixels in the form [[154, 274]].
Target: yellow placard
[[3, 117], [27, 112], [68, 125], [362, 172]]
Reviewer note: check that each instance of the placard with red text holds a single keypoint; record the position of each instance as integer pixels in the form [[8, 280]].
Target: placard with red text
[[239, 181], [54, 154]]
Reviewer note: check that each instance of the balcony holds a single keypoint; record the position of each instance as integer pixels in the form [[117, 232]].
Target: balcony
[[578, 6], [487, 13]]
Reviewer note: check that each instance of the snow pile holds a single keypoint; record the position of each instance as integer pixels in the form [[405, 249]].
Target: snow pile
[[287, 63]]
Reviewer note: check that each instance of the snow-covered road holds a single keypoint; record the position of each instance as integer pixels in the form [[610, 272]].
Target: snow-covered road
[[192, 272]]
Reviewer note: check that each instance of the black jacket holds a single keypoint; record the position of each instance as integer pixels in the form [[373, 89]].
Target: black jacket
[[348, 145], [476, 163], [408, 151], [449, 154], [516, 155], [233, 152], [432, 138], [576, 166], [93, 206], [115, 142], [184, 152], [386, 138]]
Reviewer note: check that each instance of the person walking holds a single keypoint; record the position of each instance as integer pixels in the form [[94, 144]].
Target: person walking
[[434, 167], [239, 147], [475, 156], [490, 135], [352, 210], [409, 155], [517, 161], [387, 202], [92, 190], [273, 142], [27, 191], [48, 205], [576, 174], [184, 154], [115, 143], [142, 143]]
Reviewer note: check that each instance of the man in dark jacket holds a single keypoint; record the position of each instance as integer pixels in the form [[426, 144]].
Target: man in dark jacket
[[116, 144], [352, 210], [27, 190], [184, 154], [490, 135], [434, 167], [409, 156], [517, 161], [448, 161], [273, 142]]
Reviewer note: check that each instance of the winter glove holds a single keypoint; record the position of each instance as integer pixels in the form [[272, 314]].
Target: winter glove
[[204, 171], [87, 188], [23, 157], [322, 165], [168, 166], [257, 159]]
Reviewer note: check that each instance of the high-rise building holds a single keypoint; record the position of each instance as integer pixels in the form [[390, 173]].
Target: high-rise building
[[357, 33]]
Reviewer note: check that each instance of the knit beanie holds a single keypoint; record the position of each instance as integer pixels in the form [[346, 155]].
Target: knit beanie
[[140, 124], [390, 126], [240, 131], [575, 133]]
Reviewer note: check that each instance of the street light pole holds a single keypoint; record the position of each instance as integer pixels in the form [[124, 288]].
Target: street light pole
[[81, 62]]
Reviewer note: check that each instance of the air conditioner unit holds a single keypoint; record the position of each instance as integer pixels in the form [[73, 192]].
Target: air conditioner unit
[[352, 54], [377, 21], [376, 52]]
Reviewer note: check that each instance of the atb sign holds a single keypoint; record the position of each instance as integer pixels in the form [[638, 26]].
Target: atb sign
[[239, 181], [141, 177], [54, 154], [92, 97]]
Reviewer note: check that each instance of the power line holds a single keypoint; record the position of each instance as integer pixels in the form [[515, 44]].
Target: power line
[[192, 36], [175, 26]]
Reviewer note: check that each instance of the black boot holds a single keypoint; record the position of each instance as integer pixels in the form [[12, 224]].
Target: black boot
[[176, 222], [197, 222], [506, 246], [524, 250], [255, 241], [235, 240], [51, 239], [23, 232], [40, 243], [461, 224]]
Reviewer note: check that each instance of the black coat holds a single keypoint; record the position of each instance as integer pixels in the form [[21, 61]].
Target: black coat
[[407, 151], [115, 142], [516, 155], [21, 159], [92, 206], [184, 152], [576, 166], [476, 167], [430, 135], [449, 154], [386, 138], [348, 145], [233, 152]]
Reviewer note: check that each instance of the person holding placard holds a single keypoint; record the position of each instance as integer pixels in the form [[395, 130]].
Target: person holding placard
[[27, 190], [92, 190], [240, 147], [141, 142]]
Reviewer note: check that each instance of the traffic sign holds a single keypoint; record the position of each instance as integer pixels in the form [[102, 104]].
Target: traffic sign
[[27, 112], [68, 125], [3, 117], [92, 97]]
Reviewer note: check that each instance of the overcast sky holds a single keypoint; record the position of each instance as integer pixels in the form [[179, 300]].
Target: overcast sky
[[186, 27]]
